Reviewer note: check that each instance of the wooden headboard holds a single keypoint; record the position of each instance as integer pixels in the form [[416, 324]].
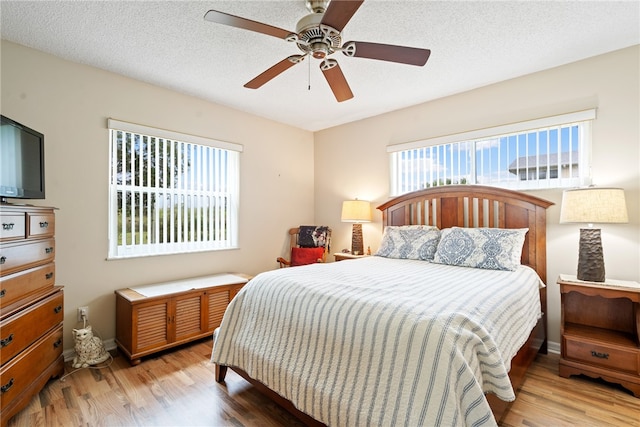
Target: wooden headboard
[[476, 206]]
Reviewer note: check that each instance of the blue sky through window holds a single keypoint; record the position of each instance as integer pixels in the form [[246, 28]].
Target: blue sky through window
[[541, 155]]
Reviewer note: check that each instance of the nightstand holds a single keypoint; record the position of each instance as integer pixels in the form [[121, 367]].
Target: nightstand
[[600, 330], [341, 256]]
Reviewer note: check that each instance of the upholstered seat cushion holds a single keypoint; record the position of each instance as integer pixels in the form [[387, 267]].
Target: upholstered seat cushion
[[303, 256]]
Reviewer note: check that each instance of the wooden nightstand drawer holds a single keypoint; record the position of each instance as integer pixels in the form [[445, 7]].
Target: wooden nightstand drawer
[[601, 355], [599, 329]]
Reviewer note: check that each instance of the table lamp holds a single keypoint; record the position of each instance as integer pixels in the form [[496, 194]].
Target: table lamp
[[592, 205], [356, 211]]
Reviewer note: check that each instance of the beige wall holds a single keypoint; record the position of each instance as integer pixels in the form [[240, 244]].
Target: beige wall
[[355, 163], [70, 104]]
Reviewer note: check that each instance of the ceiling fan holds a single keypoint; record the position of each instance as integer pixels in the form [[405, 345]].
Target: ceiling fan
[[319, 34]]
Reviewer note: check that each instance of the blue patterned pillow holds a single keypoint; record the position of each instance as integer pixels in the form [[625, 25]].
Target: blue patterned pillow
[[409, 242], [488, 248]]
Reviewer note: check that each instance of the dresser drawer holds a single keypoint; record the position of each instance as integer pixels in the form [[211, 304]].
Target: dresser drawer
[[21, 330], [17, 375], [602, 355], [15, 257], [13, 226], [23, 283], [42, 225]]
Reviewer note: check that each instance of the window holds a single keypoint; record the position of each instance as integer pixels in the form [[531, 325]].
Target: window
[[547, 153], [170, 192]]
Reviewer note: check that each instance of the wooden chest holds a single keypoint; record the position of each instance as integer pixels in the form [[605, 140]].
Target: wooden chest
[[173, 313]]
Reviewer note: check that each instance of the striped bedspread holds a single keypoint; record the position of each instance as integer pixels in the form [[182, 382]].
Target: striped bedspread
[[382, 342]]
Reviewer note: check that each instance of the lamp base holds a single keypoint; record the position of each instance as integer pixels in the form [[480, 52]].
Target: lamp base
[[590, 256], [357, 247]]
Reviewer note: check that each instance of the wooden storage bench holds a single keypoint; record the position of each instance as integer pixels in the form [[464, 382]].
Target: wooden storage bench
[[156, 317]]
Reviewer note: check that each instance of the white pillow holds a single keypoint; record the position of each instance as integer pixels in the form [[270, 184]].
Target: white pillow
[[488, 248], [409, 242]]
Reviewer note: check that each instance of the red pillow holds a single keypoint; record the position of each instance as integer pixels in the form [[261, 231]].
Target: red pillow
[[303, 256]]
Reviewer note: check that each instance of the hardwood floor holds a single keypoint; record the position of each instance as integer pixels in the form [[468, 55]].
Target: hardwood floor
[[178, 388]]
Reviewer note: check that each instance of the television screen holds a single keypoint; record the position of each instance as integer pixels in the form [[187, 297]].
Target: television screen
[[21, 161]]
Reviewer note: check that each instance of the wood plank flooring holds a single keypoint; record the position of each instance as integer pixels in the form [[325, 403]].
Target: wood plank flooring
[[178, 388]]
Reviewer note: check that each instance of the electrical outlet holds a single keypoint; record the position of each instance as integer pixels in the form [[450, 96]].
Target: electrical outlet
[[83, 314]]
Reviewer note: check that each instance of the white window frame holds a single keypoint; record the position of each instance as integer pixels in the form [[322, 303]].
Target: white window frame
[[201, 204], [412, 163]]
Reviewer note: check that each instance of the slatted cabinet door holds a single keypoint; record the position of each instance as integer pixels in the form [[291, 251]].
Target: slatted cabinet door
[[151, 325], [189, 323], [157, 323], [217, 303]]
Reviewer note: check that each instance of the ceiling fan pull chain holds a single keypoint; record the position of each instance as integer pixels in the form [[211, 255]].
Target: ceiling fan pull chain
[[309, 76]]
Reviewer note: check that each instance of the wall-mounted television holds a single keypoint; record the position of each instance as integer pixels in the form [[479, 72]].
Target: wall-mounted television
[[21, 161]]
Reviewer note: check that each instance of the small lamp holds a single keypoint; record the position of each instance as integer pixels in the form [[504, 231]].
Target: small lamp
[[592, 205], [356, 211]]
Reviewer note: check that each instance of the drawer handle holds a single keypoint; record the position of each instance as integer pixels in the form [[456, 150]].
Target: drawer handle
[[3, 293], [3, 259], [5, 342], [7, 386], [58, 309], [44, 224], [7, 226], [48, 276], [49, 249], [57, 343], [599, 355]]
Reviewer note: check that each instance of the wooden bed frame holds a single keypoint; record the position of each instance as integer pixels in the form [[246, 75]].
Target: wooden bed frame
[[466, 206]]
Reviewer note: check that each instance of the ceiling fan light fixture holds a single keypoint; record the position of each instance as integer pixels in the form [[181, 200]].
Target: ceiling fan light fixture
[[320, 50]]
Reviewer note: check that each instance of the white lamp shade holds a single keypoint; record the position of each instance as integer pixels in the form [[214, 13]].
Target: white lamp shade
[[356, 211], [594, 205]]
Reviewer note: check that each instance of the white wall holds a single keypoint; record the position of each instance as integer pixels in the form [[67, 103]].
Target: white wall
[[355, 163], [70, 104]]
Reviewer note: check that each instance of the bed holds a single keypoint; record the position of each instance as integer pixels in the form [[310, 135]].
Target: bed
[[412, 337]]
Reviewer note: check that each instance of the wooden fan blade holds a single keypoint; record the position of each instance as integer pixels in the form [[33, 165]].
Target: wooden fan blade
[[274, 71], [387, 52], [339, 12], [247, 24], [336, 80]]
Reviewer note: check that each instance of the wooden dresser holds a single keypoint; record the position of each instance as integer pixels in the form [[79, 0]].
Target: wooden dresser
[[600, 328], [31, 306], [156, 317]]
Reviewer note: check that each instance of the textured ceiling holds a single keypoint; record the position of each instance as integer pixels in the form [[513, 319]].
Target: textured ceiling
[[473, 44]]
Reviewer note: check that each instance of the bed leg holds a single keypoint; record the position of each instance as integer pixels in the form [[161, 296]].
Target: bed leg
[[221, 372]]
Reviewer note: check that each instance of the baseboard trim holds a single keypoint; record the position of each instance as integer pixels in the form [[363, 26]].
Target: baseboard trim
[[553, 347]]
